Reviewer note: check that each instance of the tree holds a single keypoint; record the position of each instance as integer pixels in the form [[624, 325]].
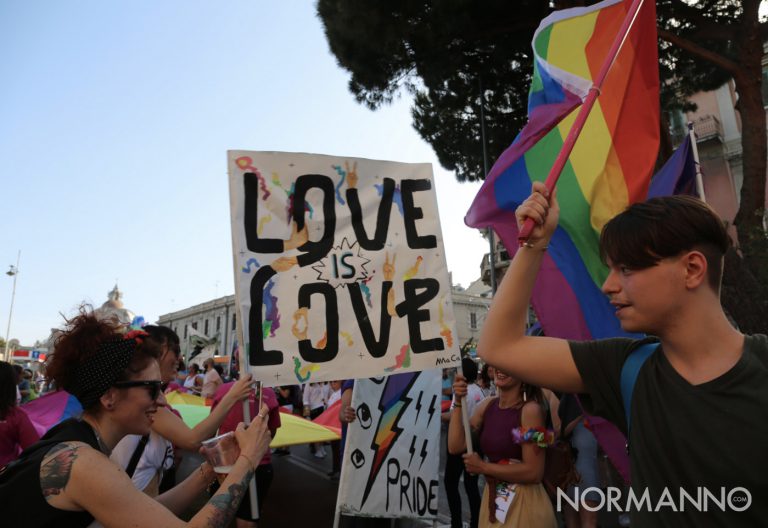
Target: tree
[[443, 52], [440, 52]]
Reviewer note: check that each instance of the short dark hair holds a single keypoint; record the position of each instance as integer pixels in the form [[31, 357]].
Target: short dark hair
[[469, 369], [164, 337], [647, 232]]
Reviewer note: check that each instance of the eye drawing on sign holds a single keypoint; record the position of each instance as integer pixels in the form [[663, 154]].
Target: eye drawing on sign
[[393, 403], [364, 416], [358, 458], [342, 265]]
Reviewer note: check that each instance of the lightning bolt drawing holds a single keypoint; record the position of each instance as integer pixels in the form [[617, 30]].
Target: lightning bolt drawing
[[412, 449], [366, 290], [248, 263], [418, 409], [246, 164], [423, 453], [432, 409], [393, 403], [343, 175], [397, 196]]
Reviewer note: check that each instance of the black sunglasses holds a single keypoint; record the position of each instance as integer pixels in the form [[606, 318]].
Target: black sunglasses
[[154, 386]]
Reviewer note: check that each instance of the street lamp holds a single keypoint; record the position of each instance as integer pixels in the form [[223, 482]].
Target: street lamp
[[13, 271]]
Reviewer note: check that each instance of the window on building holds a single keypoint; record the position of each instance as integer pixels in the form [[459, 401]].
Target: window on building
[[218, 323], [194, 325], [234, 321], [206, 327], [185, 331], [473, 320]]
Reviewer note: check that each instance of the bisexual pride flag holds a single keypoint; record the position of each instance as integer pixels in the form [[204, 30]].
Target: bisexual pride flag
[[609, 168]]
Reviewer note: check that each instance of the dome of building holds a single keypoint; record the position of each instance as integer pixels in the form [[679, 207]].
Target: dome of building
[[114, 309]]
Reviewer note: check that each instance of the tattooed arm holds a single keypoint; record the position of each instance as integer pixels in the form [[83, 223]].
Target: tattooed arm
[[76, 477], [222, 507]]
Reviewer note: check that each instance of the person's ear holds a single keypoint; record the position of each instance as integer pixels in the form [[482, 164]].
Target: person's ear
[[695, 269], [109, 399]]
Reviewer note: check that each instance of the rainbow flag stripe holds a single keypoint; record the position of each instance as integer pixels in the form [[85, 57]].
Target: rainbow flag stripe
[[609, 168]]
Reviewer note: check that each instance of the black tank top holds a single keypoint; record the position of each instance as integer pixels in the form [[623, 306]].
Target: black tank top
[[21, 497]]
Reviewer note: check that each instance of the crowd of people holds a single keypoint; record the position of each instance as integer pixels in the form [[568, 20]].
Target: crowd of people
[[112, 463]]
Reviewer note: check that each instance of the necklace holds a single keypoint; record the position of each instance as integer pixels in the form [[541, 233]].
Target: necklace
[[102, 446]]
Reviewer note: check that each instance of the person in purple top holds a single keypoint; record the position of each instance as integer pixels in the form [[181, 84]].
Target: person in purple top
[[511, 470]]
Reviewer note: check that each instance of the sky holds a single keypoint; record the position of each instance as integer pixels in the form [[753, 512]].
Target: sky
[[115, 120]]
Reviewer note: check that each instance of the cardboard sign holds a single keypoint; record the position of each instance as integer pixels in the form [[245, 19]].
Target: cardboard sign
[[340, 269], [391, 459]]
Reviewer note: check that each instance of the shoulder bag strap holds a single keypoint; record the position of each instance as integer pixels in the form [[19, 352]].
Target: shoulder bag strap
[[131, 469]]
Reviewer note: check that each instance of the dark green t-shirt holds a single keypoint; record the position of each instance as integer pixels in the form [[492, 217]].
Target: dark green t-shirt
[[708, 439]]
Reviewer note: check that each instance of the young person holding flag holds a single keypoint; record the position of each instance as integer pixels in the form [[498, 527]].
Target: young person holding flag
[[700, 394]]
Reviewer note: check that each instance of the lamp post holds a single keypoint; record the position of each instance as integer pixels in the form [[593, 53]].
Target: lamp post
[[13, 271]]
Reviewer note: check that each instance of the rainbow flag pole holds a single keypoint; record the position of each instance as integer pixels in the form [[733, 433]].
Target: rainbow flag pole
[[586, 108]]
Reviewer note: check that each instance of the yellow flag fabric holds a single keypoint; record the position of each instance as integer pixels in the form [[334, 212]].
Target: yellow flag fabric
[[294, 429]]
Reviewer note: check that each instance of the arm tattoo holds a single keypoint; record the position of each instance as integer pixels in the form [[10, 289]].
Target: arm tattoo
[[56, 468], [225, 504]]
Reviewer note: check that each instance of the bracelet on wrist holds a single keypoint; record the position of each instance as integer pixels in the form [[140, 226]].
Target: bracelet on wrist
[[531, 245], [250, 462]]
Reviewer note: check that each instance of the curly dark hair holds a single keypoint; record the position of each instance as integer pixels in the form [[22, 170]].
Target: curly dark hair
[[81, 338]]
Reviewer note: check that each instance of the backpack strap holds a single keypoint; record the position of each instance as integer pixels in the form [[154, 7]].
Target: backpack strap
[[629, 373]]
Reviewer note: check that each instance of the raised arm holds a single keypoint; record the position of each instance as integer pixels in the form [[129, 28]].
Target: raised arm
[[542, 361], [173, 428], [457, 442]]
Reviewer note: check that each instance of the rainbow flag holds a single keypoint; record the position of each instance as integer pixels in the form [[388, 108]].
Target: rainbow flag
[[609, 168]]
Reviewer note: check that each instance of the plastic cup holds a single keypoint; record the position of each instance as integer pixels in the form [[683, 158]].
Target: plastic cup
[[221, 452]]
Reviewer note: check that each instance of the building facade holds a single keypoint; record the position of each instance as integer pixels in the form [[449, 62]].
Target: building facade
[[214, 323]]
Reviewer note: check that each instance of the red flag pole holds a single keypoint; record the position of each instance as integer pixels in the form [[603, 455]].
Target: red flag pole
[[586, 108]]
